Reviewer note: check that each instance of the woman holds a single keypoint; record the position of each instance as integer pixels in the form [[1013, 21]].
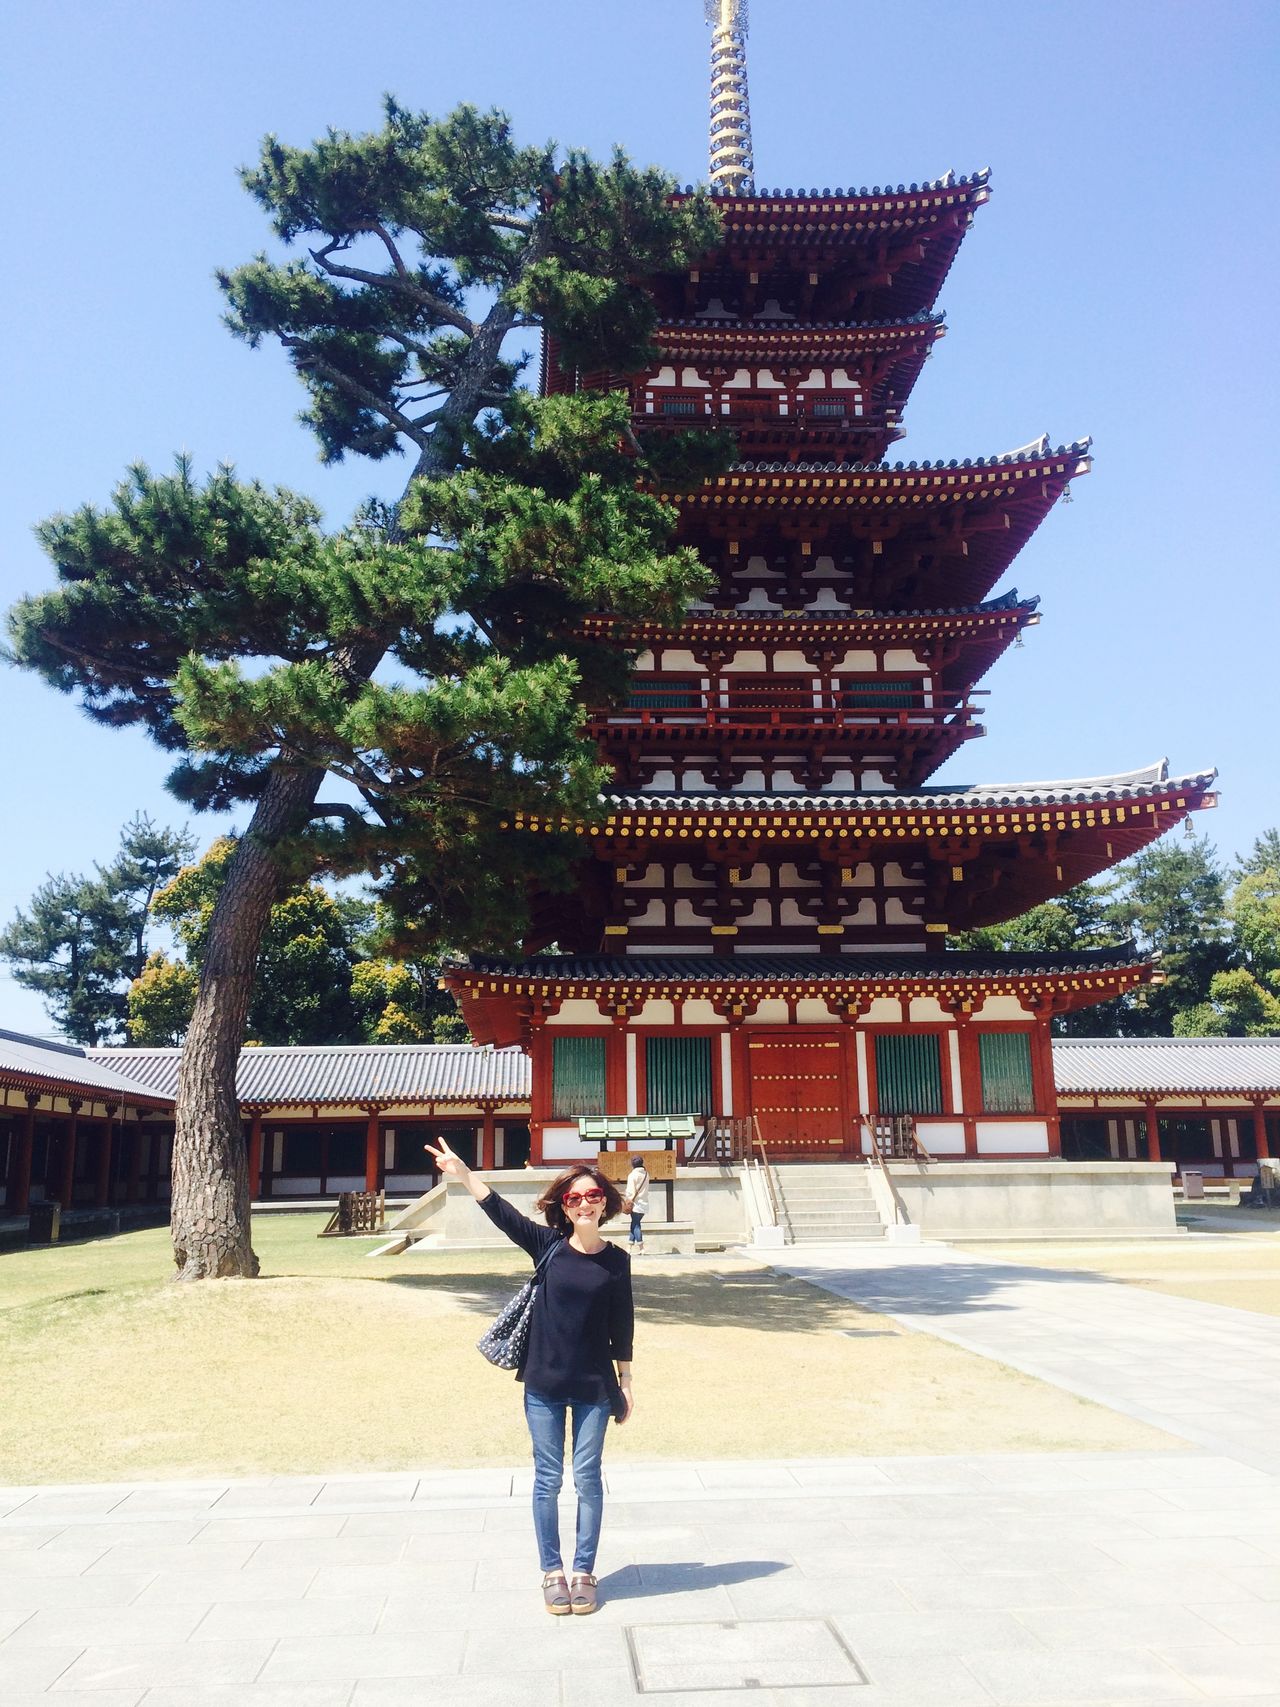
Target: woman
[[582, 1324], [635, 1199]]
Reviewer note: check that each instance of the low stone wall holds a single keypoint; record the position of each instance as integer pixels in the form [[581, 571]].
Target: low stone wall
[[943, 1200], [957, 1200], [709, 1200]]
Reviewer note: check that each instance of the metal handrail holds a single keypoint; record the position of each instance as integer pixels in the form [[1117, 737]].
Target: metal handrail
[[878, 1157], [762, 1162]]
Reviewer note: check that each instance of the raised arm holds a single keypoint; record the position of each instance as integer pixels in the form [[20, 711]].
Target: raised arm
[[517, 1227], [453, 1167]]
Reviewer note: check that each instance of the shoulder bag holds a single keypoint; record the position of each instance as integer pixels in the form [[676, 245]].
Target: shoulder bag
[[504, 1341]]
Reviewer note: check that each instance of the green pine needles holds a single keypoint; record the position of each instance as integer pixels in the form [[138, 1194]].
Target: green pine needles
[[426, 659]]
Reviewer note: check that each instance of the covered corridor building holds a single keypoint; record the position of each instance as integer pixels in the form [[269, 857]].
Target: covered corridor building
[[95, 1128]]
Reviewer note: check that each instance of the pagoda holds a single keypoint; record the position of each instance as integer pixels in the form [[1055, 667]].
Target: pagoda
[[759, 934]]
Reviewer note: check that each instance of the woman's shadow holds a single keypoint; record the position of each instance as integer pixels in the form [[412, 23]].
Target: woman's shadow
[[625, 1583]]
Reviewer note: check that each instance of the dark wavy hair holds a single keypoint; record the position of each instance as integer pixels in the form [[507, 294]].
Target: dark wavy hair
[[553, 1210]]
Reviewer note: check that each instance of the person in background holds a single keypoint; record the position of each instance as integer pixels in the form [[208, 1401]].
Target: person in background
[[635, 1199], [583, 1324]]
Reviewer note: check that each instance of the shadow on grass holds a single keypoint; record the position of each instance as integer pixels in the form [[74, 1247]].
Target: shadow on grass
[[768, 1301]]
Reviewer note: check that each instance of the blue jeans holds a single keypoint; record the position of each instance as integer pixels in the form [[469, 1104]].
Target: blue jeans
[[546, 1429], [636, 1236]]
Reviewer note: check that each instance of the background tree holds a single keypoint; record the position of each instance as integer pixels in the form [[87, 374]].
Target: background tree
[[1171, 899], [82, 939], [70, 946], [1236, 1005], [160, 1003], [148, 858], [1075, 921], [399, 1002], [428, 243]]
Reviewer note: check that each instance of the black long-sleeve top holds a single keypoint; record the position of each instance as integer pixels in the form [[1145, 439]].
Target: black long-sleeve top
[[583, 1314]]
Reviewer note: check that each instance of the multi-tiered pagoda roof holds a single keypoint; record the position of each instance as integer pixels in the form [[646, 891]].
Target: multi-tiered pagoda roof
[[776, 856]]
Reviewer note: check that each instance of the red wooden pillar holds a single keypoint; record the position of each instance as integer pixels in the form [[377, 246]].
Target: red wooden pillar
[[1153, 1134], [373, 1174], [488, 1138], [1260, 1130], [970, 1082], [67, 1172], [1044, 1044], [255, 1155], [18, 1195], [102, 1190], [540, 1102]]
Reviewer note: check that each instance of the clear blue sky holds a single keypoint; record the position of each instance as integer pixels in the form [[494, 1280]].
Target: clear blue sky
[[1119, 283]]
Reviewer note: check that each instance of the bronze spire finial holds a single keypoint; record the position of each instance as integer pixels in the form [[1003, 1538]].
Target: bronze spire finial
[[731, 165]]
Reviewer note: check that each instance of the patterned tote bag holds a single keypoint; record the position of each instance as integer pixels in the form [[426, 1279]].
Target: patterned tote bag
[[504, 1342]]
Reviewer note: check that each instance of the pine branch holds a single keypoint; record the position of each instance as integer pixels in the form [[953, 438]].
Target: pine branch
[[405, 286], [352, 388]]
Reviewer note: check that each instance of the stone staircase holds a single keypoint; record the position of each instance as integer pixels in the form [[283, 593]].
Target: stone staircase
[[826, 1204]]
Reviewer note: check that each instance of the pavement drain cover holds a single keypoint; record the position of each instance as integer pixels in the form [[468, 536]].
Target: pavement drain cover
[[867, 1333], [764, 1653]]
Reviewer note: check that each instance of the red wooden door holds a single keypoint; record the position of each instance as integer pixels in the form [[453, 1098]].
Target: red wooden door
[[798, 1094]]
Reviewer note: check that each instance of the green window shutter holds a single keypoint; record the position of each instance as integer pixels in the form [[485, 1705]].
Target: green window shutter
[[577, 1076], [1006, 1072], [909, 1073], [880, 695], [664, 696], [678, 1074]]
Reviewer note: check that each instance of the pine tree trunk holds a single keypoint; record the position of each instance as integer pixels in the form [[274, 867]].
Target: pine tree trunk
[[209, 1212], [209, 1216]]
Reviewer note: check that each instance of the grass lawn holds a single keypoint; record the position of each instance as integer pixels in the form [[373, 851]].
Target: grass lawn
[[336, 1360], [1239, 1269]]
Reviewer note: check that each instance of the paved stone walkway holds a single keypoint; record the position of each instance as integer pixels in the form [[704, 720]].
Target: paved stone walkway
[[1022, 1580], [1204, 1372], [1016, 1580]]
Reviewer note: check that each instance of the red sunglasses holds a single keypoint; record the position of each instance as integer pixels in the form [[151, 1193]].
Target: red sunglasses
[[572, 1199]]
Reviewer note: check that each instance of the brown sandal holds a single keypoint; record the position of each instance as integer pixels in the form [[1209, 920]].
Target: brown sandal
[[555, 1594], [583, 1594]]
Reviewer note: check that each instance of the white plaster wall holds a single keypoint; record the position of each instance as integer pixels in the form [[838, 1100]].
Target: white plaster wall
[[942, 1137], [700, 1012], [578, 1011], [1012, 1137], [1001, 1007]]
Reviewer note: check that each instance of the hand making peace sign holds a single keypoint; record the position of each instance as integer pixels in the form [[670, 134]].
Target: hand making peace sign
[[453, 1167]]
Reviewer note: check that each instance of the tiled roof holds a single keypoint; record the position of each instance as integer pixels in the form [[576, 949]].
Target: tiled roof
[[948, 181], [347, 1073], [1009, 601], [1125, 785], [729, 322], [1129, 1064], [1036, 452], [779, 968], [68, 1068]]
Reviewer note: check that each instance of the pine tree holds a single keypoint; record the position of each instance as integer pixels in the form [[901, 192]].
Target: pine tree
[[222, 619], [83, 939], [1172, 899], [70, 946], [148, 858]]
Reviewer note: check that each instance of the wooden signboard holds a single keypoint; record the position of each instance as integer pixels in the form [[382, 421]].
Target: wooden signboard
[[616, 1164]]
